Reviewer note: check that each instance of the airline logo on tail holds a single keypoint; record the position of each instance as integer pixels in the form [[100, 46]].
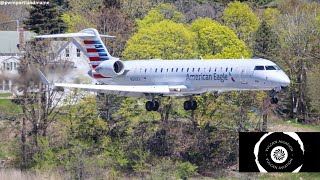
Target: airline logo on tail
[[96, 51]]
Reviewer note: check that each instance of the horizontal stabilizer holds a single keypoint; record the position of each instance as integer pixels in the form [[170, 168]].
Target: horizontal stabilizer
[[68, 35], [72, 35], [43, 78]]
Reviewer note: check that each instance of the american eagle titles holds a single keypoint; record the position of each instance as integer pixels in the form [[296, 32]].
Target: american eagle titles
[[207, 77]]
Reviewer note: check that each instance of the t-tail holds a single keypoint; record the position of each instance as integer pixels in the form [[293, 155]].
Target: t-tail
[[102, 63], [96, 50]]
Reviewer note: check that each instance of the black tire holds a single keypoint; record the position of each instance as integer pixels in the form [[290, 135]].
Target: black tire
[[279, 152], [276, 100], [187, 105], [194, 105], [272, 101], [149, 106], [155, 106]]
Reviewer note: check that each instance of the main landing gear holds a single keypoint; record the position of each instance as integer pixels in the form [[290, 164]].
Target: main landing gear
[[190, 105], [152, 105]]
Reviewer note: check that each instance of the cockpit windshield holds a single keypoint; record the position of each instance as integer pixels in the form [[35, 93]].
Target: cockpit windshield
[[259, 68], [270, 68], [267, 68]]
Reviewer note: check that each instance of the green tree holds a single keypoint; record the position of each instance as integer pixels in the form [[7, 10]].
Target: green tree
[[44, 19], [217, 41], [299, 30], [159, 13], [166, 39], [270, 15], [240, 18], [265, 42]]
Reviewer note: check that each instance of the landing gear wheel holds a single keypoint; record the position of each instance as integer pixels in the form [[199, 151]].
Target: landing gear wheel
[[152, 106], [190, 105], [194, 105], [149, 106], [274, 100], [156, 106], [187, 105]]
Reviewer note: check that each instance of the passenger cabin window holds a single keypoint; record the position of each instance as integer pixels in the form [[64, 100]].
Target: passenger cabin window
[[182, 70], [161, 69], [172, 70], [231, 70], [226, 69], [177, 70], [259, 68], [187, 69], [210, 69], [270, 68], [156, 70], [192, 69], [198, 69], [145, 70]]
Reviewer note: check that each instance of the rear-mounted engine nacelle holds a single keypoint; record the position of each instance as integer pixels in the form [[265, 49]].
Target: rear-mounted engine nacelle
[[110, 68]]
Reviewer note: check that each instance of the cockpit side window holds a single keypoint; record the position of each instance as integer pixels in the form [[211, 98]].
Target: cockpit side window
[[277, 67], [270, 68], [259, 68]]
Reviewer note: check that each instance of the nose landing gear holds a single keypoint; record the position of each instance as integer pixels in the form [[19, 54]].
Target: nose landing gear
[[274, 100], [273, 95]]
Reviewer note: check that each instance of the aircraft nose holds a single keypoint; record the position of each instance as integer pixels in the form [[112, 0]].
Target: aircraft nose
[[285, 81]]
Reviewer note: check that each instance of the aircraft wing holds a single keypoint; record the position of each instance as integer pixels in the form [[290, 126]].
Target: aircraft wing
[[157, 89], [120, 89]]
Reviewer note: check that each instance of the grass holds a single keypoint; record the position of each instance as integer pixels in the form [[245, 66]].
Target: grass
[[289, 176], [5, 94], [291, 122], [308, 126], [13, 174], [9, 107]]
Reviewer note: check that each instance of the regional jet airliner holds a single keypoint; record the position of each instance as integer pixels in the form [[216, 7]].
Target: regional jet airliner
[[156, 77]]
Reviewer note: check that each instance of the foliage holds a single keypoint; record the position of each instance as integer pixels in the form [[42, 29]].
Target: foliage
[[270, 15], [298, 33], [75, 22], [159, 13], [240, 18], [166, 39], [217, 41], [44, 19], [266, 42], [185, 170]]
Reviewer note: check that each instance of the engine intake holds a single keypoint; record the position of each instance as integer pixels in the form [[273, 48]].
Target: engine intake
[[110, 68]]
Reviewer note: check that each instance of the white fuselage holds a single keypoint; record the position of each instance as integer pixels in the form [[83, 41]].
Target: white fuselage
[[200, 76]]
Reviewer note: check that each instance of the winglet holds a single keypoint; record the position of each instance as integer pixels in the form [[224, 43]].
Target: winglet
[[43, 78]]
